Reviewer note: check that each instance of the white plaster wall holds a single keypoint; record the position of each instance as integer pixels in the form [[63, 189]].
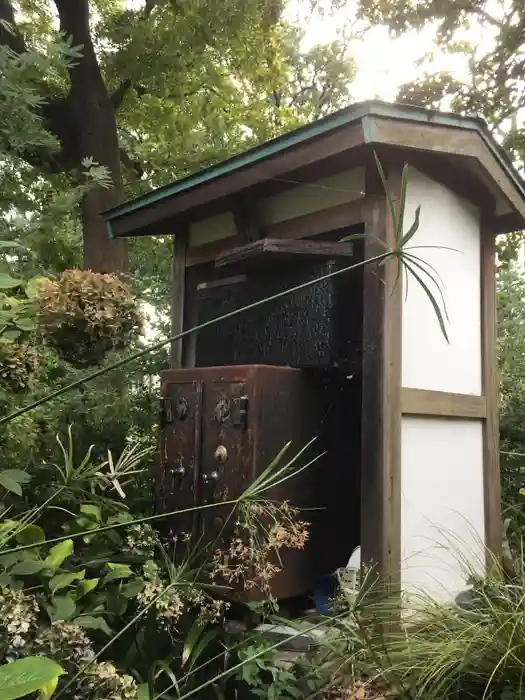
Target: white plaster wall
[[442, 506], [447, 221], [321, 194]]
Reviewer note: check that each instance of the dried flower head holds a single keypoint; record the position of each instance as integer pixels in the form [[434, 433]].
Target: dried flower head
[[262, 530], [84, 315], [18, 366], [102, 681], [18, 621], [65, 643]]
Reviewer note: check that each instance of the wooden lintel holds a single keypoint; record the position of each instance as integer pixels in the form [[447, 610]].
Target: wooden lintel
[[306, 226], [271, 251], [422, 402]]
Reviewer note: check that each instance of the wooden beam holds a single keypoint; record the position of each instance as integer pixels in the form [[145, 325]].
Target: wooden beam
[[306, 226], [381, 402], [271, 251], [490, 378], [421, 402], [178, 289]]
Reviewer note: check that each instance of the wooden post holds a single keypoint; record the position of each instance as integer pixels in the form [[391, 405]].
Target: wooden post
[[381, 407], [490, 383], [180, 244]]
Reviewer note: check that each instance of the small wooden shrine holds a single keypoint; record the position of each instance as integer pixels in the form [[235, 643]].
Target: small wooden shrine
[[409, 421]]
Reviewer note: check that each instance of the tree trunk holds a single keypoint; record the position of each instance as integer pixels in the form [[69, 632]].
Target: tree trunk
[[93, 122]]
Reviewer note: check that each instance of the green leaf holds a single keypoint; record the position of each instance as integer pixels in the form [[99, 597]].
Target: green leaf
[[412, 230], [24, 676], [58, 554], [402, 203], [20, 476], [201, 645], [387, 193], [191, 640], [93, 511], [33, 286], [6, 245], [116, 604], [117, 571], [27, 568], [143, 692], [10, 336], [85, 587], [90, 622], [8, 282], [9, 479], [66, 579], [131, 589], [434, 303], [48, 689], [63, 608], [31, 534], [25, 324]]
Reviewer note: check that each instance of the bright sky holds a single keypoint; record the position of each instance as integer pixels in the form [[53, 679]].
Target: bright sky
[[383, 63]]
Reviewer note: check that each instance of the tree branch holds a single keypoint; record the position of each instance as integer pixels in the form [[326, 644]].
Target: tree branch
[[131, 164], [117, 97], [10, 36]]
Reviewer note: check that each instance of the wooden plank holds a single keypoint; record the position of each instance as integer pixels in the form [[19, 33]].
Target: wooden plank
[[491, 465], [421, 402], [306, 226], [270, 251], [381, 402], [299, 156], [180, 244]]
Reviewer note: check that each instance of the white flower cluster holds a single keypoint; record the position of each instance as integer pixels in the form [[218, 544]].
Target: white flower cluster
[[169, 604], [141, 540]]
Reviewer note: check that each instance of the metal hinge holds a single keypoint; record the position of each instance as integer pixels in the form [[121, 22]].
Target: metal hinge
[[240, 412]]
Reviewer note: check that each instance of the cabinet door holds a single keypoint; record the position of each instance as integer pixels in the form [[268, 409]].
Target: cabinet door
[[181, 419], [226, 459]]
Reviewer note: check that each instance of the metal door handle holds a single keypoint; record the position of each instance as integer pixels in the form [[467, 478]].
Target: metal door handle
[[209, 478]]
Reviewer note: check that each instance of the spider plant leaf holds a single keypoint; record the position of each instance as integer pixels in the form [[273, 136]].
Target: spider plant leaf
[[403, 240], [402, 203], [387, 193], [364, 236], [398, 273], [419, 263], [434, 303]]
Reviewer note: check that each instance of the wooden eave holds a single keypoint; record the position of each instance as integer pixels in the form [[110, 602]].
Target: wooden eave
[[457, 151]]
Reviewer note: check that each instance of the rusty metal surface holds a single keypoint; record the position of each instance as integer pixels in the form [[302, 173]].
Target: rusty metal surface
[[223, 426]]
